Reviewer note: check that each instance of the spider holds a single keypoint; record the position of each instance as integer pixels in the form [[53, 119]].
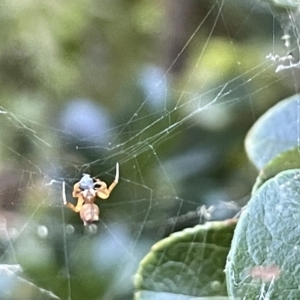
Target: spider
[[86, 190]]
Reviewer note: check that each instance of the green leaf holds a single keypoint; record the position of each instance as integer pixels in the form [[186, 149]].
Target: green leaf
[[264, 260], [187, 264], [275, 132], [14, 286], [146, 295], [284, 161]]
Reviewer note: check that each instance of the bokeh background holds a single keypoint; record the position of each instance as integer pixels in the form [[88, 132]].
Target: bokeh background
[[168, 89]]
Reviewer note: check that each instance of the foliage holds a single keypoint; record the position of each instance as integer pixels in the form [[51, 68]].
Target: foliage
[[189, 263], [263, 260], [264, 253], [167, 89]]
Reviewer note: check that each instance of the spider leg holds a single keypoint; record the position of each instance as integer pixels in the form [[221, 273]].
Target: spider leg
[[115, 182], [104, 192], [64, 197], [76, 190], [78, 206], [117, 173], [80, 200]]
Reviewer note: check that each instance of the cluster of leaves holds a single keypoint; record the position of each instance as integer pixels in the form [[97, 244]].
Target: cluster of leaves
[[263, 259]]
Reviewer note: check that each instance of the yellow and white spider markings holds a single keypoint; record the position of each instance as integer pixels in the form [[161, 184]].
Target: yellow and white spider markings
[[86, 191]]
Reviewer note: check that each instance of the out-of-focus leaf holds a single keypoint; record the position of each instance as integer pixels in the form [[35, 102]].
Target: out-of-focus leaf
[[284, 161], [187, 264], [284, 3], [275, 132], [264, 258], [147, 295], [13, 286]]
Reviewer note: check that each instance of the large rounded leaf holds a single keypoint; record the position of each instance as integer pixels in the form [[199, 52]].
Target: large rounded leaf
[[275, 132], [264, 260], [187, 264], [284, 161]]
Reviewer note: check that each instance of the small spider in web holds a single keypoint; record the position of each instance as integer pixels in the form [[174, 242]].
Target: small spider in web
[[86, 190]]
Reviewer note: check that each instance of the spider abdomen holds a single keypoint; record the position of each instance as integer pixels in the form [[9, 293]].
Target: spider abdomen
[[89, 213]]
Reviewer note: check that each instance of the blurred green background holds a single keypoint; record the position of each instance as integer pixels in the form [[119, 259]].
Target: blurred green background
[[168, 89]]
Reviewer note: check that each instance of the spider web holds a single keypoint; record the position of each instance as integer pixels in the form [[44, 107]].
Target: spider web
[[175, 127]]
